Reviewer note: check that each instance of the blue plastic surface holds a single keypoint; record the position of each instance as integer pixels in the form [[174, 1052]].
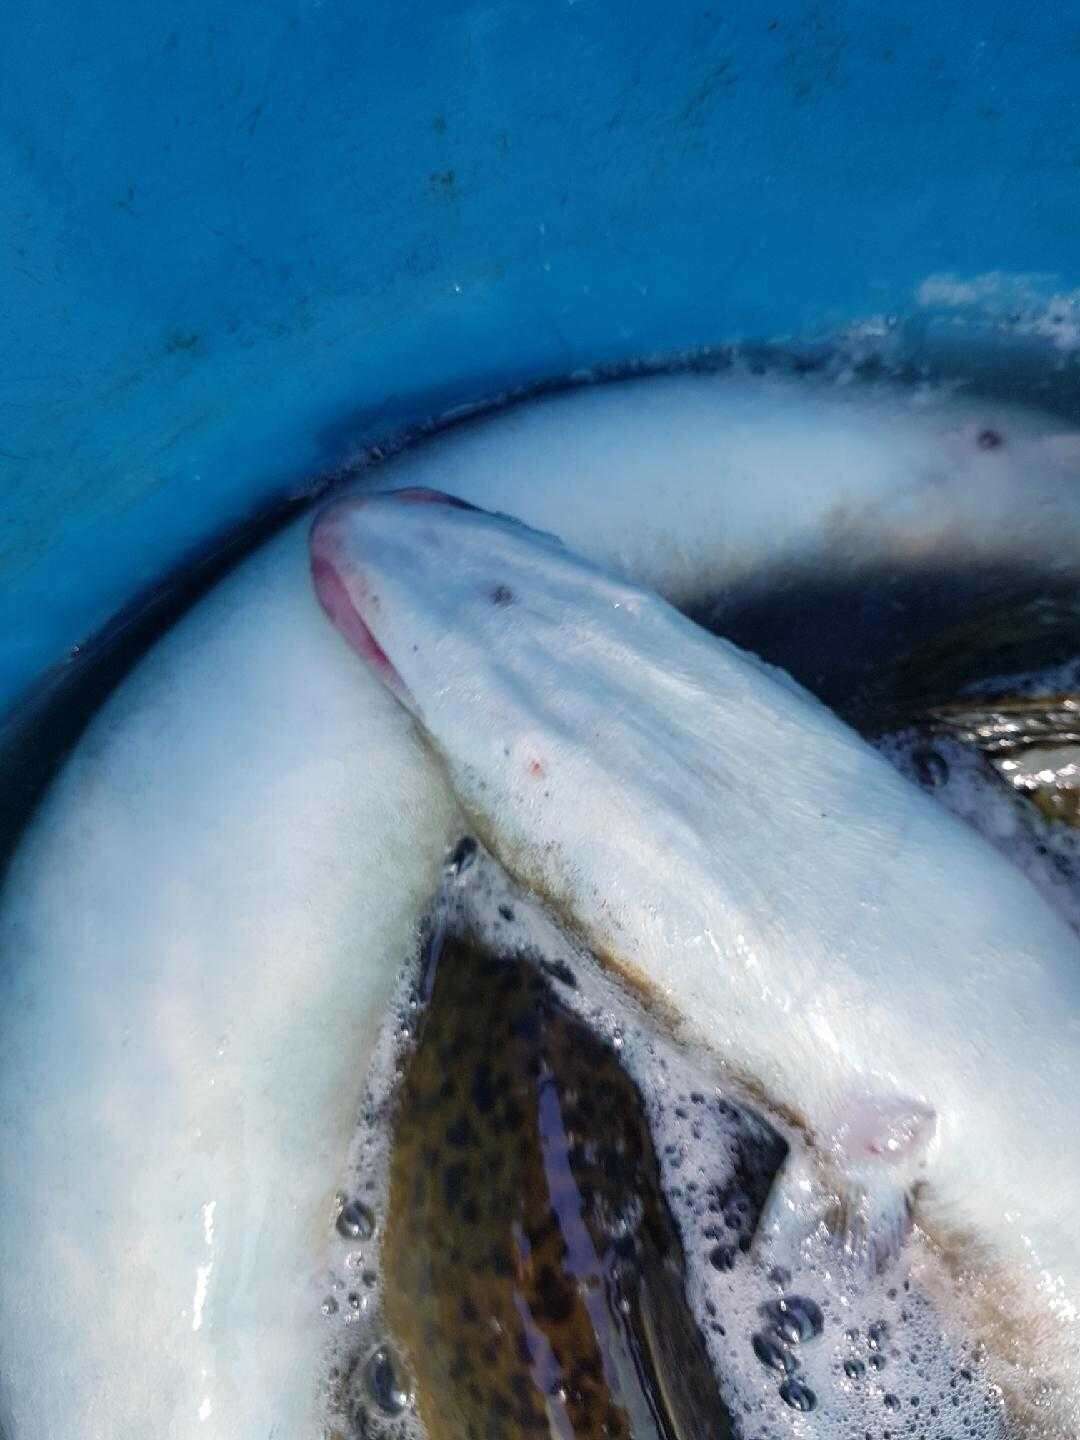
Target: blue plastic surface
[[239, 240]]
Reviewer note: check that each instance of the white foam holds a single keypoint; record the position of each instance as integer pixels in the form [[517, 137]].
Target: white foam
[[1021, 304]]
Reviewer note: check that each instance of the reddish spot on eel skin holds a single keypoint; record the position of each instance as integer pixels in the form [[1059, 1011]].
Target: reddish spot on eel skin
[[536, 769]]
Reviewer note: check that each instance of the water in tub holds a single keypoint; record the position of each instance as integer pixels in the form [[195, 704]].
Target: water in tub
[[238, 969]]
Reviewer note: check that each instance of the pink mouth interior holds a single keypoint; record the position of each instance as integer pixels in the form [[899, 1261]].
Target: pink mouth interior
[[335, 599], [339, 601]]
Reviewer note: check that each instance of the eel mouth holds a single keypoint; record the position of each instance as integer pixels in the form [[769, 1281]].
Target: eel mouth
[[342, 590]]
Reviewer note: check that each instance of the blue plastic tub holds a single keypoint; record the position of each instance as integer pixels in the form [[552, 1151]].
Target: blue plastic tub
[[241, 241]]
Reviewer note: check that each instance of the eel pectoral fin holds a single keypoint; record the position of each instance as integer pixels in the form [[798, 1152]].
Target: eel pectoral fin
[[853, 1190]]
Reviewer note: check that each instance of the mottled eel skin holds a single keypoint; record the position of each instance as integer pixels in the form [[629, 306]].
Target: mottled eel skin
[[533, 1273]]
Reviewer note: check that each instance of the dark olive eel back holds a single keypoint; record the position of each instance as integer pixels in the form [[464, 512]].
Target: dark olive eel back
[[532, 1271]]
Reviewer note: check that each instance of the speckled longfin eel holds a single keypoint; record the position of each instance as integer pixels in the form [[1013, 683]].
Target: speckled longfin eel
[[533, 1273]]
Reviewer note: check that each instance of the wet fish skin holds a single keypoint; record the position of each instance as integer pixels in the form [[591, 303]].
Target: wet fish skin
[[859, 958], [529, 1250]]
